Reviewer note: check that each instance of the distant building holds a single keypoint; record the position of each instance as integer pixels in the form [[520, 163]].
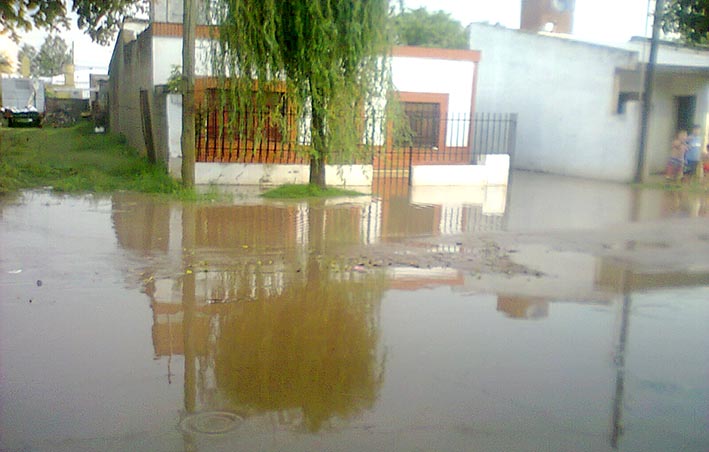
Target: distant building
[[578, 102]]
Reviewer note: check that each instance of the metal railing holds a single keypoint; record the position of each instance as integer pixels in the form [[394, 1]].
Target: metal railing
[[424, 140], [494, 133], [227, 137]]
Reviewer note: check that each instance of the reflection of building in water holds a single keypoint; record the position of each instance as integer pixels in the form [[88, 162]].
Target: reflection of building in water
[[269, 321], [156, 227], [212, 289], [621, 278], [370, 228], [407, 278], [519, 307], [141, 226]]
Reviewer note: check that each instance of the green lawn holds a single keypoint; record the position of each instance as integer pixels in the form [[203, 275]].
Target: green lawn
[[76, 159], [294, 191]]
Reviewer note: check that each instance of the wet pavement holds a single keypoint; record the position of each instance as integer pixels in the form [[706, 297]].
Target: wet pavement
[[574, 320]]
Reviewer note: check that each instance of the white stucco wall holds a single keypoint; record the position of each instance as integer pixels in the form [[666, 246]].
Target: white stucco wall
[[492, 170], [669, 54], [174, 134], [279, 174], [167, 53], [564, 93], [440, 76], [172, 11], [427, 75]]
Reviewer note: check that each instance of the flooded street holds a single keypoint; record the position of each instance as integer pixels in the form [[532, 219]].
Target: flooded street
[[559, 315]]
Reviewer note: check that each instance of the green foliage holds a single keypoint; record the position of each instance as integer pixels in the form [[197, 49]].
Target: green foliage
[[689, 18], [31, 53], [325, 55], [294, 191], [419, 27], [23, 15], [174, 82], [53, 56], [100, 18], [693, 186], [5, 67], [76, 160]]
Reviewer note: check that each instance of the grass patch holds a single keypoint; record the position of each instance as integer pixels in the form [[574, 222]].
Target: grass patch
[[693, 186], [293, 191], [76, 159]]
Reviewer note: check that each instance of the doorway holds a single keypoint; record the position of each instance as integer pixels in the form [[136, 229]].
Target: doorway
[[686, 107]]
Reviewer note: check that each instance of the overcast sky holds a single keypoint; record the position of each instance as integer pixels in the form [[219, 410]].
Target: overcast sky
[[596, 20]]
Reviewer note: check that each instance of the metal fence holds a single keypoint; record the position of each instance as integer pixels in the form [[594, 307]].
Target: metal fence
[[494, 133], [432, 140], [424, 139], [227, 137]]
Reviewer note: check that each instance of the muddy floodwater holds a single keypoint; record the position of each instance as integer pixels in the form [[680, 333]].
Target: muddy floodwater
[[555, 315]]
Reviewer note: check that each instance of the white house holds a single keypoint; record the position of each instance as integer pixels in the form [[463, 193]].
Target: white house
[[577, 101], [437, 81]]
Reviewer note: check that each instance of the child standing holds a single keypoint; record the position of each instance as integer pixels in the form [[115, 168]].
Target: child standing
[[675, 163], [693, 155]]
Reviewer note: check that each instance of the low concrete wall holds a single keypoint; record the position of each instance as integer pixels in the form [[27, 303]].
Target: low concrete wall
[[493, 170], [279, 174], [349, 175], [250, 174]]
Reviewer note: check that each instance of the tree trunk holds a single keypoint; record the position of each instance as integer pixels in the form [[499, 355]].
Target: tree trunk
[[317, 171], [188, 107], [320, 145]]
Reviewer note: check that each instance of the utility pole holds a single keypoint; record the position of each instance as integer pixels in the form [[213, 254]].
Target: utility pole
[[647, 89], [188, 108]]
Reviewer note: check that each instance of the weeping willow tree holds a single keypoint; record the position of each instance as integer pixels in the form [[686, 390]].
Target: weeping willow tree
[[323, 57]]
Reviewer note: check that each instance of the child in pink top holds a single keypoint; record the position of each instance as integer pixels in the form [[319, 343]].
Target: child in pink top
[[676, 161]]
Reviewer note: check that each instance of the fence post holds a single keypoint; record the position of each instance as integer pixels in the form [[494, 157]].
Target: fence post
[[513, 137], [411, 165]]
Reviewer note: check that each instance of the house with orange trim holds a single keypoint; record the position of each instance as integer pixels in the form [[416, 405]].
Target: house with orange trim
[[437, 88]]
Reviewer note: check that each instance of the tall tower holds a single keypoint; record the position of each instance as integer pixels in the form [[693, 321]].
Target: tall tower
[[547, 15]]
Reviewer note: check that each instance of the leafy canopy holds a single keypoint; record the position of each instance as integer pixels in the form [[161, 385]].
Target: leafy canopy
[[689, 18], [52, 57], [99, 18], [5, 63], [419, 27], [324, 55], [31, 53]]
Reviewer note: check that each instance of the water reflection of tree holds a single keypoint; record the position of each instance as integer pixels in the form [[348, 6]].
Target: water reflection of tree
[[268, 322], [313, 349], [307, 351]]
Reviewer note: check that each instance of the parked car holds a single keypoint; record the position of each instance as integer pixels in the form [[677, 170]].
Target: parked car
[[25, 117]]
